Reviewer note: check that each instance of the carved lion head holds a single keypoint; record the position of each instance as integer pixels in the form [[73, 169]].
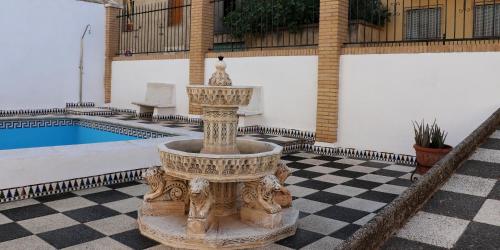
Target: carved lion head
[[270, 183], [199, 189]]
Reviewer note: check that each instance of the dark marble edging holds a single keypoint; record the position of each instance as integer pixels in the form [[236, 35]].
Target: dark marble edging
[[373, 234]]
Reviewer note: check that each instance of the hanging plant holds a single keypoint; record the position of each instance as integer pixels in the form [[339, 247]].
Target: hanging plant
[[370, 11], [258, 17]]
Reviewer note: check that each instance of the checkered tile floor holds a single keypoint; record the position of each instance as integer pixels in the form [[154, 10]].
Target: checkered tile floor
[[465, 212], [335, 196]]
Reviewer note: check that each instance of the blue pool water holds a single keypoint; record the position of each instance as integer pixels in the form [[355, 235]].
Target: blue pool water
[[55, 136]]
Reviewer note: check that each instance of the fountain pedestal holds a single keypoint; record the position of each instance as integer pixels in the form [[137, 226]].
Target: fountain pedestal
[[219, 192]]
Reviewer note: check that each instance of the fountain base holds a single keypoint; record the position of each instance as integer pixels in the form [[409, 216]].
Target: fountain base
[[227, 232]]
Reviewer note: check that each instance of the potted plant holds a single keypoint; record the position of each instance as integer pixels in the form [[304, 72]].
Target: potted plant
[[429, 145]]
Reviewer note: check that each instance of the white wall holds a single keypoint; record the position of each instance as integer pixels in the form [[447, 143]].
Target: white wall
[[289, 87], [381, 94], [129, 80], [40, 48], [289, 84]]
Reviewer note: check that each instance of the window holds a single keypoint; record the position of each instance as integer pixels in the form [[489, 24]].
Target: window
[[423, 23], [487, 20]]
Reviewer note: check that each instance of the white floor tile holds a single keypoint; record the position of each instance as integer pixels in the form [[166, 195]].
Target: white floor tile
[[433, 229]]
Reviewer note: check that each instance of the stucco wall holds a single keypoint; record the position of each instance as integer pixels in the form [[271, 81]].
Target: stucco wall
[[381, 94], [289, 87], [288, 95], [40, 49], [130, 78]]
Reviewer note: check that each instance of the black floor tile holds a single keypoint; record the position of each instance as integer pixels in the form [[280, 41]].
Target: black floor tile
[[291, 158], [327, 197], [55, 197], [134, 239], [374, 164], [378, 196], [300, 239], [495, 192], [123, 184], [480, 169], [28, 212], [132, 214], [491, 143], [303, 214], [453, 204], [347, 173], [361, 184], [306, 174], [396, 243], [92, 213], [107, 196], [400, 182], [70, 236], [336, 165], [479, 236], [390, 173], [342, 213], [11, 231], [327, 158], [345, 232], [314, 184], [299, 165]]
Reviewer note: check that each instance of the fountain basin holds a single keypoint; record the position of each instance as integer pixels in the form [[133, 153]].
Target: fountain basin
[[230, 96], [182, 159]]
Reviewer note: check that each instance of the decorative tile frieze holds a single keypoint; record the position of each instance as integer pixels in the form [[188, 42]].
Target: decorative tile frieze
[[80, 105], [362, 154], [31, 112], [49, 188]]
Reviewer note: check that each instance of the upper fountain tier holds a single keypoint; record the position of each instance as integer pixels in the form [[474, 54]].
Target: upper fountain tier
[[220, 102], [220, 92]]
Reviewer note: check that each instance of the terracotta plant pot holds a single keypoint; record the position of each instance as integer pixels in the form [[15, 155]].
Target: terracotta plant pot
[[427, 157]]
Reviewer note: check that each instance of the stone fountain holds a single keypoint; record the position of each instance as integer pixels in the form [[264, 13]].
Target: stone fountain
[[219, 192]]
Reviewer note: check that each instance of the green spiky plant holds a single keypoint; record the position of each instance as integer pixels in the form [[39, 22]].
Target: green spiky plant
[[429, 136]]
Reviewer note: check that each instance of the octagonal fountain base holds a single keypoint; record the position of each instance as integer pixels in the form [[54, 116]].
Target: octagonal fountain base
[[226, 233]]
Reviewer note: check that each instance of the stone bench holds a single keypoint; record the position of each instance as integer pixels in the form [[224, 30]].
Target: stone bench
[[160, 99]]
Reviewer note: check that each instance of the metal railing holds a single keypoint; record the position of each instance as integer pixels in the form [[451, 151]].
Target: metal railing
[[155, 28], [258, 24], [374, 22]]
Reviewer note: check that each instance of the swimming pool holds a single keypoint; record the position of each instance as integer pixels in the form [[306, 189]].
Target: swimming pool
[[56, 136], [61, 132]]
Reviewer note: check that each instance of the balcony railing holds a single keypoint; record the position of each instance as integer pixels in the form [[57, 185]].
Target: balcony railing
[[258, 24], [155, 28], [373, 22]]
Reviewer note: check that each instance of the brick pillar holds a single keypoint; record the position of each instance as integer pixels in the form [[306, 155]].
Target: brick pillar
[[202, 12], [112, 41], [333, 32]]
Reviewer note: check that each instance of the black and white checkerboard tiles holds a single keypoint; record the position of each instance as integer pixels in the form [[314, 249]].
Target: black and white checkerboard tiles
[[336, 196], [465, 212]]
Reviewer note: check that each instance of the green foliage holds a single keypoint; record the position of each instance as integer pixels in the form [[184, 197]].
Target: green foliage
[[429, 136], [371, 11], [262, 16]]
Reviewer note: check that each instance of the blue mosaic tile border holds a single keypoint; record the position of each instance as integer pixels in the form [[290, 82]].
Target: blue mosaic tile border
[[118, 129]]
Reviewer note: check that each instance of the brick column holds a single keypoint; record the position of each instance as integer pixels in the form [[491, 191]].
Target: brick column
[[202, 12], [333, 32], [112, 41]]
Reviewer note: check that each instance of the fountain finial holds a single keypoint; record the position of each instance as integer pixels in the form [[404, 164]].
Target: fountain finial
[[220, 77]]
